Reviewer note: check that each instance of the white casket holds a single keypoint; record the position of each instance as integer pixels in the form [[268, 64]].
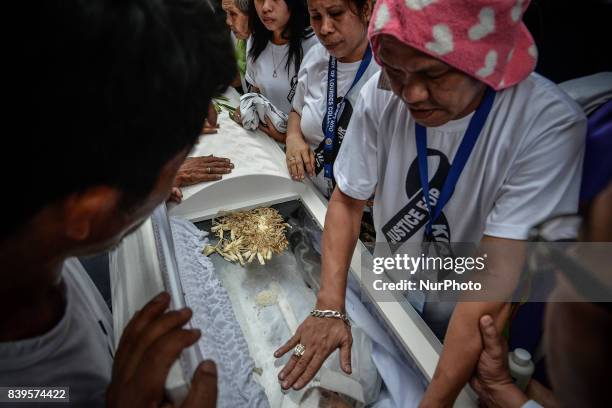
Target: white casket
[[146, 263]]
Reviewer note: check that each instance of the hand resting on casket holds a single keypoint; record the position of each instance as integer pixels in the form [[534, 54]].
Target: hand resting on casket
[[198, 170], [201, 169], [321, 336], [150, 344]]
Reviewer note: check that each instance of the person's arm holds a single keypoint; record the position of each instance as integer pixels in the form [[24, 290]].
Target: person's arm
[[293, 125], [492, 381], [300, 158], [342, 224], [463, 342], [321, 336], [544, 179], [271, 131], [355, 171]]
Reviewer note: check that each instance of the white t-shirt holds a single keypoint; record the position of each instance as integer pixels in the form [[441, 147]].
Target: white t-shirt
[[260, 73], [526, 164], [76, 353], [310, 100]]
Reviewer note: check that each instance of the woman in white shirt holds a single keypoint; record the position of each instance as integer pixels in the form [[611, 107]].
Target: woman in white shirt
[[341, 26], [461, 142], [280, 38]]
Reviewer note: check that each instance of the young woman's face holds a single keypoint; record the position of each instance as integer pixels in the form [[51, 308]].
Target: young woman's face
[[237, 21], [274, 14], [434, 92], [339, 27]]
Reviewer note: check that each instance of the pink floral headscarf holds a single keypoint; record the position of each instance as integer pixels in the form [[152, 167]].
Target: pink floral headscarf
[[483, 38]]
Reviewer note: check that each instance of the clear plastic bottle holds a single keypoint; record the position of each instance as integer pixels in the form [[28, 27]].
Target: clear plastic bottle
[[521, 367]]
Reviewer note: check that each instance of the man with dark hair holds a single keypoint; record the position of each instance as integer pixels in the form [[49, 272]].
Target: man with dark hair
[[112, 96]]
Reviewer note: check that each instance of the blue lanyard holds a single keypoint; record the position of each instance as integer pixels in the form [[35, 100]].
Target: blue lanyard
[[461, 157], [333, 108]]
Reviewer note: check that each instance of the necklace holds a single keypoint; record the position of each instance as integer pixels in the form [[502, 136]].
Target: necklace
[[275, 66]]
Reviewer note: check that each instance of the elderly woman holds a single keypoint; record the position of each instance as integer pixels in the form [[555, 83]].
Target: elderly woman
[[237, 19], [460, 141]]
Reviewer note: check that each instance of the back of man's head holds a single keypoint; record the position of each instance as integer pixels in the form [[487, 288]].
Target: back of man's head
[[109, 92]]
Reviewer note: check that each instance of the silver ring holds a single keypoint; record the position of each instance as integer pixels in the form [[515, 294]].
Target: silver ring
[[208, 170], [292, 158], [299, 350]]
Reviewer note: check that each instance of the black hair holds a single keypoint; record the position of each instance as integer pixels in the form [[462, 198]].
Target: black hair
[[358, 7], [108, 93], [297, 29]]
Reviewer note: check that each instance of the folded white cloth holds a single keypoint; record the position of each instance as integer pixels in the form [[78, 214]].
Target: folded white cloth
[[255, 107]]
